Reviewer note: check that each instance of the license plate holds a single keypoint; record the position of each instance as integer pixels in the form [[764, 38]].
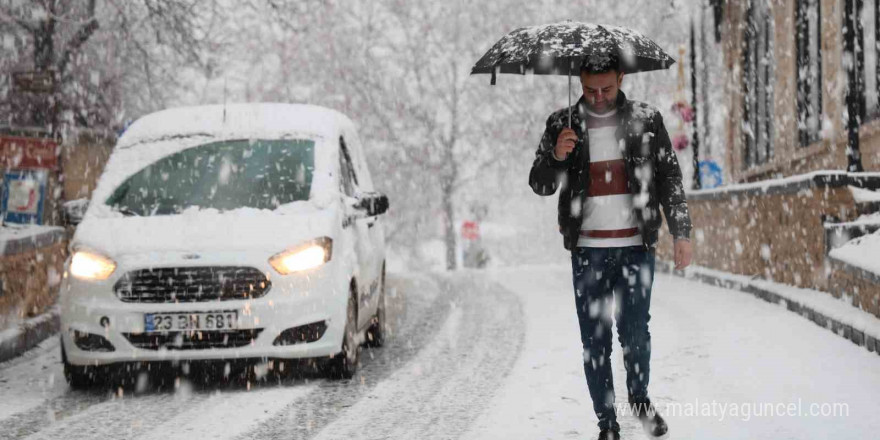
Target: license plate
[[163, 322]]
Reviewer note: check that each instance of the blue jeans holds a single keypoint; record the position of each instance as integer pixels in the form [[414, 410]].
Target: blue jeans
[[619, 277]]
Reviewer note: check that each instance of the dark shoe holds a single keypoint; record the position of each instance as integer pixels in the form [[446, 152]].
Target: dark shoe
[[652, 423], [608, 434]]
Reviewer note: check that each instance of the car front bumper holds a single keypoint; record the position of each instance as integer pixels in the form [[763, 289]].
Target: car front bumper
[[92, 308]]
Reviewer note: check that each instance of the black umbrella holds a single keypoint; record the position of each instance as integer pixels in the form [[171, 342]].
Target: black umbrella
[[560, 48]]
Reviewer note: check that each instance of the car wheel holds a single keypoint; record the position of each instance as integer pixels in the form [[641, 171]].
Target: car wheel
[[78, 377], [343, 365], [376, 332]]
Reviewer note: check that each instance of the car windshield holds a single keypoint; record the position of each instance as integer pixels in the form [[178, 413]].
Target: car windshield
[[226, 175]]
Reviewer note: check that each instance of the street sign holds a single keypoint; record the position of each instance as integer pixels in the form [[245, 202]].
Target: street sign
[[28, 153], [710, 174], [23, 196], [34, 81], [470, 230]]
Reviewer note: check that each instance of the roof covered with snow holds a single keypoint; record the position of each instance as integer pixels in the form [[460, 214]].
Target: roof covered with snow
[[234, 121]]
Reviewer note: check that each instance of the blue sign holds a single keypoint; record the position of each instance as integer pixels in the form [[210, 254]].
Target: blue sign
[[710, 174], [23, 195]]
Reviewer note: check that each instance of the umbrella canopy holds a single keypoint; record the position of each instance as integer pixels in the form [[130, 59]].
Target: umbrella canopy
[[559, 49]]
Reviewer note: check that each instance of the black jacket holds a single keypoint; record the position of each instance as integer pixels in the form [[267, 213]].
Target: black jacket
[[653, 174]]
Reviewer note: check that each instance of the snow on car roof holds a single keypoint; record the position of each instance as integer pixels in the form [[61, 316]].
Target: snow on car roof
[[169, 131], [234, 121]]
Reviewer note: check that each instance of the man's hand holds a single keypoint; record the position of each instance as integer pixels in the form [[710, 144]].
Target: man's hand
[[564, 143], [683, 254]]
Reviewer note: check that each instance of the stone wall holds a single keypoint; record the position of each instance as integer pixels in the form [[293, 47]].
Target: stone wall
[[777, 233], [869, 145], [774, 230], [862, 286], [31, 270]]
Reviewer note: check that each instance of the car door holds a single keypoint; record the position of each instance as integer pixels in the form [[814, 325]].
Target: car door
[[360, 232], [375, 226]]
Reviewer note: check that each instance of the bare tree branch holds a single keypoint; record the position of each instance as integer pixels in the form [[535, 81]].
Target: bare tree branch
[[78, 39], [7, 16]]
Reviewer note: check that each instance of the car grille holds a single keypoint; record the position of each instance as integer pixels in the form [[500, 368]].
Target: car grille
[[192, 284], [195, 340]]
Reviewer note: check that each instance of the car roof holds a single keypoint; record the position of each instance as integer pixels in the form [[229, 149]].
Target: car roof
[[252, 120], [167, 132]]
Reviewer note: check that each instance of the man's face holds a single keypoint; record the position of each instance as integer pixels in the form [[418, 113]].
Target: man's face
[[600, 89]]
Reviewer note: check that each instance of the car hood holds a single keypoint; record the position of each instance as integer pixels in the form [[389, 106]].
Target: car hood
[[204, 231]]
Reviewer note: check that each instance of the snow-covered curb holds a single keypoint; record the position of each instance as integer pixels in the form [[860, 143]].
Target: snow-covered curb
[[16, 341], [860, 327]]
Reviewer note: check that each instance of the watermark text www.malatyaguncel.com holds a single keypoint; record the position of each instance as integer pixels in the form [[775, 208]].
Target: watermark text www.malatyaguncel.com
[[743, 410]]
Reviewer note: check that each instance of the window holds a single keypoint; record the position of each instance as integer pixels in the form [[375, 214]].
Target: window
[[758, 84], [809, 70], [868, 54], [225, 175]]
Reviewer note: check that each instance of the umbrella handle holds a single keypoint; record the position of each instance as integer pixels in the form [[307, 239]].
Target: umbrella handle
[[569, 97]]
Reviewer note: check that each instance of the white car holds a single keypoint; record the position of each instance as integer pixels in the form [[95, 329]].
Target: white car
[[248, 231]]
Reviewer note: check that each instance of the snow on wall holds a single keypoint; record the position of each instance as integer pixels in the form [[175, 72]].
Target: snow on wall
[[11, 233], [769, 184], [862, 195], [862, 252]]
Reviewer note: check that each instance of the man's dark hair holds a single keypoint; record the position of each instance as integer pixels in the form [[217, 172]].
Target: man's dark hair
[[601, 62]]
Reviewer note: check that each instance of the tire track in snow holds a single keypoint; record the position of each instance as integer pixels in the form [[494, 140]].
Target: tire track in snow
[[416, 313], [448, 385], [144, 414], [213, 417], [420, 308], [35, 392], [73, 414]]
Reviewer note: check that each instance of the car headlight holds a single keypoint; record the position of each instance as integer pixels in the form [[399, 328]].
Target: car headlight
[[91, 266], [301, 258]]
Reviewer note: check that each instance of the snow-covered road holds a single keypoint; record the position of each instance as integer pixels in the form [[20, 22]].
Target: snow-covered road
[[494, 355], [453, 339]]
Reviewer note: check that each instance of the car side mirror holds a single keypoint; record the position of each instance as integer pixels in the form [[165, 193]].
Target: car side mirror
[[74, 210], [374, 204]]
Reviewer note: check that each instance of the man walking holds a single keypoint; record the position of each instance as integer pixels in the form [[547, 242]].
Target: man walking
[[614, 167]]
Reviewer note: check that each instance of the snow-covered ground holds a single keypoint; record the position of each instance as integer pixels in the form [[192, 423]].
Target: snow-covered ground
[[714, 351], [839, 309], [496, 355]]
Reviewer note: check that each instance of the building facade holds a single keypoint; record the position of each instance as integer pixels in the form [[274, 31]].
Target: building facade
[[794, 89], [792, 70]]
